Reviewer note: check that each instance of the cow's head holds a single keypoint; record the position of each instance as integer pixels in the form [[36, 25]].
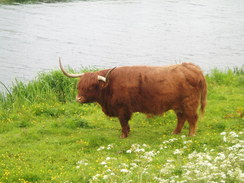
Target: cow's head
[[89, 85]]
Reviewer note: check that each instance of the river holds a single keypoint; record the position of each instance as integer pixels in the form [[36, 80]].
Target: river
[[108, 33]]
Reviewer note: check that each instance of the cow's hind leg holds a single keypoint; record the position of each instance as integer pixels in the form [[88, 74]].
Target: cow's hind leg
[[192, 120], [190, 110], [124, 119], [181, 118]]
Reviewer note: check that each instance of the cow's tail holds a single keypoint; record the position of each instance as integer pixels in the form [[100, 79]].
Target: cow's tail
[[203, 99]]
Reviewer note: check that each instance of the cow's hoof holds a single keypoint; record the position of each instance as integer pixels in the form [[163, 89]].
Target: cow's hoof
[[123, 136], [175, 132]]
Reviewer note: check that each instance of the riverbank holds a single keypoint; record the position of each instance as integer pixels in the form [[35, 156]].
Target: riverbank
[[30, 1], [45, 136]]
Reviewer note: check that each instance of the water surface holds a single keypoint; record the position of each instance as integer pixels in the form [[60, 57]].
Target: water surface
[[111, 33]]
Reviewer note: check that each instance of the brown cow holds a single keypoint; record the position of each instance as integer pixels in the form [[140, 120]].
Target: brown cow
[[151, 90]]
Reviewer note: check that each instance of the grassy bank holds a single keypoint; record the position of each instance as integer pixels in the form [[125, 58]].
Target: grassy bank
[[45, 136]]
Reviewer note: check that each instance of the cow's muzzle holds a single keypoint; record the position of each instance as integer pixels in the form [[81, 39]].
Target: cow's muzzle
[[80, 99]]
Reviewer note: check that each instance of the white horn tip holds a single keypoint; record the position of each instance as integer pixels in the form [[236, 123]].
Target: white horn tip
[[101, 78]]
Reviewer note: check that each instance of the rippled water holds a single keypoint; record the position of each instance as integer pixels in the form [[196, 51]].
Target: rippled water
[[111, 33]]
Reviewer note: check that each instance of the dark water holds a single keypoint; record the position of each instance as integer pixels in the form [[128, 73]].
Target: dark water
[[111, 33]]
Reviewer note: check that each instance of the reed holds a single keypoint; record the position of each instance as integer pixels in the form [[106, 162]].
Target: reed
[[52, 86]]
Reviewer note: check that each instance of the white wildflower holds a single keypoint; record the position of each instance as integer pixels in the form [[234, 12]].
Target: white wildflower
[[172, 140], [134, 165], [101, 148], [129, 151], [82, 162], [124, 165], [103, 163], [110, 146], [165, 142], [144, 145], [105, 177], [124, 170], [223, 133], [177, 151], [233, 134], [95, 177], [187, 142], [140, 150], [224, 139]]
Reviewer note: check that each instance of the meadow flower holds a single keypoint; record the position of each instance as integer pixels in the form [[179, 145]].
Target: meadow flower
[[101, 148], [187, 142], [124, 170], [224, 139], [165, 142], [81, 162], [144, 145], [110, 146], [105, 177], [172, 140], [177, 151], [140, 150], [129, 151], [148, 155], [183, 136], [95, 177], [124, 165], [103, 163], [233, 134], [223, 133], [134, 165]]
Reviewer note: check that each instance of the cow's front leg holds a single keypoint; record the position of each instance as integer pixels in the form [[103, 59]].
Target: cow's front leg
[[181, 117], [124, 122]]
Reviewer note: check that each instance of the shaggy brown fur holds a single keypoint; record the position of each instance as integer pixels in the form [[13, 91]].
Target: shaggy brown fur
[[150, 90]]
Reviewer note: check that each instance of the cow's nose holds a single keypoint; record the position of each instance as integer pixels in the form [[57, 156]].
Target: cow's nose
[[78, 99]]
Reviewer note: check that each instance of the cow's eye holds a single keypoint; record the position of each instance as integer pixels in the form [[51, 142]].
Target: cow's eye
[[93, 87]]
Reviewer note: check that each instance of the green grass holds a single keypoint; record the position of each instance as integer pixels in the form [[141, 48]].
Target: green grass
[[45, 136]]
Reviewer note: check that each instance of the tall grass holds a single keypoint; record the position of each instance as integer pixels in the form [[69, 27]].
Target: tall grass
[[230, 77], [47, 86]]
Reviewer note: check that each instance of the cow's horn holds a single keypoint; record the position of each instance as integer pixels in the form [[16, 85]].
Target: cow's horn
[[106, 78], [101, 78], [67, 74]]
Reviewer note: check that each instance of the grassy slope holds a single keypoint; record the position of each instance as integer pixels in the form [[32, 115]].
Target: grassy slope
[[46, 136]]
